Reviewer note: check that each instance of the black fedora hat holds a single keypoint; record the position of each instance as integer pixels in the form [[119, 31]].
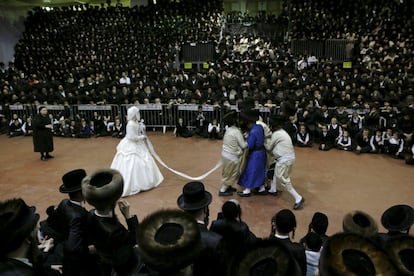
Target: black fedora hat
[[72, 181], [169, 240], [17, 221], [398, 218], [353, 254], [264, 257], [250, 115], [277, 120], [194, 197]]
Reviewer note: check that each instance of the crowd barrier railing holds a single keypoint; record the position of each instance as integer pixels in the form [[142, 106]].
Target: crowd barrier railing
[[154, 115]]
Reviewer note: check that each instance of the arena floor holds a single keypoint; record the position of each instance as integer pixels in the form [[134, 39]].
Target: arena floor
[[332, 182]]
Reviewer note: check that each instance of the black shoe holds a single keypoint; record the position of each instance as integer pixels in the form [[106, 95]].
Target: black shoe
[[43, 158], [273, 193], [299, 204], [226, 193], [264, 192], [241, 194], [231, 189], [48, 156]]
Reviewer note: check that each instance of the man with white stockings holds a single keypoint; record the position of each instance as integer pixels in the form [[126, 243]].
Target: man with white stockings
[[280, 145]]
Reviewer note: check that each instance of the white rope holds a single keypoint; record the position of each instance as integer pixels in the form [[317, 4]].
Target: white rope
[[201, 177]]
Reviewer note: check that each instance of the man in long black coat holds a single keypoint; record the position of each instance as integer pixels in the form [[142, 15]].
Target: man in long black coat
[[42, 134]]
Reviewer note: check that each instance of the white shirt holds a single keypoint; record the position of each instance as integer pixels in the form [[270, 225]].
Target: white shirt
[[281, 146], [233, 143]]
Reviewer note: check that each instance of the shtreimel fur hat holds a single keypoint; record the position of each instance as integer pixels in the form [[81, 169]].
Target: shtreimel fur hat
[[169, 240], [103, 188], [352, 254], [360, 223]]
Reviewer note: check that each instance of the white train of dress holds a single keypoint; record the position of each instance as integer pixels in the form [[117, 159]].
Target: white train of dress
[[134, 161]]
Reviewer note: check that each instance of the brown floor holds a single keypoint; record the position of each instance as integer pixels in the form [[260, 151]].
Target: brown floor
[[333, 182]]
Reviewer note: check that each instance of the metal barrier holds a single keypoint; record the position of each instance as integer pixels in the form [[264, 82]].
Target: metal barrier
[[188, 112], [87, 112], [154, 115], [337, 50], [22, 111], [306, 46]]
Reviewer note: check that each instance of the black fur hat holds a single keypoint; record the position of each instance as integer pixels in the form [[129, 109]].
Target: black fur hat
[[400, 249], [352, 254], [169, 240], [264, 257], [103, 188], [360, 223]]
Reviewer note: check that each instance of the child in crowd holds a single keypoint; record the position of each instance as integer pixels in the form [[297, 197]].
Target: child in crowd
[[182, 130], [396, 145], [376, 142], [303, 138], [326, 141], [362, 142], [344, 141], [335, 129], [213, 130], [84, 129]]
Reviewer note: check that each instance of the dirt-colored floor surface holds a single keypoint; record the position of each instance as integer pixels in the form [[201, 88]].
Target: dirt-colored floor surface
[[333, 182]]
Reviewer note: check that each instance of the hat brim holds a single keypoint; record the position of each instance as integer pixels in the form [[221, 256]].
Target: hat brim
[[63, 189], [196, 205], [404, 224], [169, 256], [261, 252], [333, 260]]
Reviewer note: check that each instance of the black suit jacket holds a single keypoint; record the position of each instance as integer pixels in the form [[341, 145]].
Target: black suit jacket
[[113, 242], [12, 267], [298, 252], [208, 261]]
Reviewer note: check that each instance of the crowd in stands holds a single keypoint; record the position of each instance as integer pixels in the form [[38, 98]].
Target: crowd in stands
[[75, 241], [117, 55]]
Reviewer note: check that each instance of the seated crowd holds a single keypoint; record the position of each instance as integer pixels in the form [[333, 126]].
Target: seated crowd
[[180, 241], [115, 55]]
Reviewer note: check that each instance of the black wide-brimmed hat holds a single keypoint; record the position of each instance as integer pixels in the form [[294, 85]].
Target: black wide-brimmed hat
[[352, 254], [263, 258], [194, 197], [277, 120], [17, 221], [230, 118], [400, 249], [360, 223], [169, 240], [72, 181], [250, 115], [103, 188], [398, 218]]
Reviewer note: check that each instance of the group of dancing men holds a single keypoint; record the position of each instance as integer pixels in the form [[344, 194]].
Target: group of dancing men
[[250, 149]]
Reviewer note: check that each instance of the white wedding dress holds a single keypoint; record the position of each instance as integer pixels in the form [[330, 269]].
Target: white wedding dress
[[134, 161]]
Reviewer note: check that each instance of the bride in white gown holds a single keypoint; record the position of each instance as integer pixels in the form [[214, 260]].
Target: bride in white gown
[[133, 159]]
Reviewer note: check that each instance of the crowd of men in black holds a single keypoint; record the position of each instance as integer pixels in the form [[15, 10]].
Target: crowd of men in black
[[180, 241], [116, 55]]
